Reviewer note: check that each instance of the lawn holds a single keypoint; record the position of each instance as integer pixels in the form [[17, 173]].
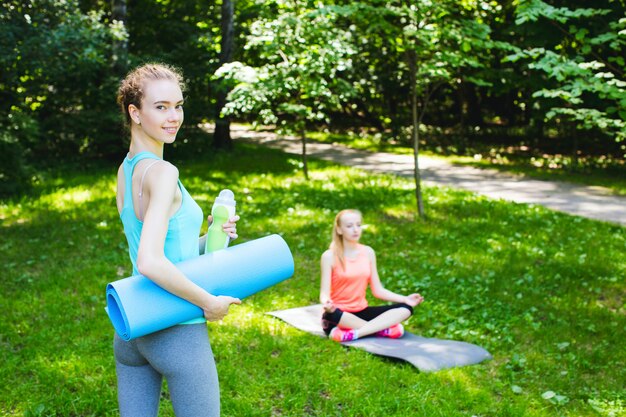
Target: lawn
[[544, 292]]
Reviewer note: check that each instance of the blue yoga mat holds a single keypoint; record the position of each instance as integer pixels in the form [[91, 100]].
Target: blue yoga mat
[[137, 306]]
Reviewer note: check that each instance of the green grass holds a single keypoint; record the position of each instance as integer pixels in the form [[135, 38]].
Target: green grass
[[542, 291], [600, 171]]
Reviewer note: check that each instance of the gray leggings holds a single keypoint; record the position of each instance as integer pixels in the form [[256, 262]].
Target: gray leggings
[[182, 354]]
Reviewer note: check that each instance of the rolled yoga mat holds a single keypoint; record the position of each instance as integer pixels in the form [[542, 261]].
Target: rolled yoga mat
[[137, 306]]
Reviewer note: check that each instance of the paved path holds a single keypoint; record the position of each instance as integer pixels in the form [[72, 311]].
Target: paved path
[[586, 201]]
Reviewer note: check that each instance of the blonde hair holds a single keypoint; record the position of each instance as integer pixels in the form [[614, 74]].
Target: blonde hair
[[336, 244], [131, 89]]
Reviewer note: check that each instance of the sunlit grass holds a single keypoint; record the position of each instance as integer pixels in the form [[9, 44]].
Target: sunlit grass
[[542, 291]]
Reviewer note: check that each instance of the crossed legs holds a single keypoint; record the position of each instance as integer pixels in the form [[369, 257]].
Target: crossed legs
[[385, 320], [368, 321]]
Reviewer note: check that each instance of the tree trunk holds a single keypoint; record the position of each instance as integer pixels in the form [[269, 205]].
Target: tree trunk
[[415, 134], [575, 147], [119, 47], [221, 136], [469, 106], [305, 167]]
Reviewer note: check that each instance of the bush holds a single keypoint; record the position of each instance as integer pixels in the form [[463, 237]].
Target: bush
[[18, 132], [56, 77]]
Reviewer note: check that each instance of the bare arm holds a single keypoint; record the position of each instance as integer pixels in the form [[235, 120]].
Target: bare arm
[[326, 267], [161, 185], [380, 292]]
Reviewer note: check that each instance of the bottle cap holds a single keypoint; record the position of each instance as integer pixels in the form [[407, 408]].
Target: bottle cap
[[226, 197]]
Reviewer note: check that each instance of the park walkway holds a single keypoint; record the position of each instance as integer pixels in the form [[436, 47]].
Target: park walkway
[[586, 201]]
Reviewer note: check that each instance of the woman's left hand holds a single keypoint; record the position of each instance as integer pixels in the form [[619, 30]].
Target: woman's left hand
[[413, 299], [230, 227]]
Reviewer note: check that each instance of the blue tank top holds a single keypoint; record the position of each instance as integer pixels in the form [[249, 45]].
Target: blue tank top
[[181, 241]]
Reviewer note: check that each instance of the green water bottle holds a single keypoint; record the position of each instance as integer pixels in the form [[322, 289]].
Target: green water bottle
[[223, 209]]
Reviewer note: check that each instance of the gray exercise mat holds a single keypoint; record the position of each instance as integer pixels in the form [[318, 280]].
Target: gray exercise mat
[[426, 354]]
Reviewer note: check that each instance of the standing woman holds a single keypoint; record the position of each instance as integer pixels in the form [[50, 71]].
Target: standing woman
[[347, 269], [162, 225]]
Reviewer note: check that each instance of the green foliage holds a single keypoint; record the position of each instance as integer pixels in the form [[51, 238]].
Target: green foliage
[[587, 66], [303, 55], [55, 83], [17, 135], [445, 38], [533, 10], [185, 34], [527, 283], [337, 64]]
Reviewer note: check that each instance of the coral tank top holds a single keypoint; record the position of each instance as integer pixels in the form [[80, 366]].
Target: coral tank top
[[348, 285]]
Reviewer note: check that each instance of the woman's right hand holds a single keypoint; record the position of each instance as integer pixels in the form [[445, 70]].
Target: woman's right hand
[[329, 307], [218, 307]]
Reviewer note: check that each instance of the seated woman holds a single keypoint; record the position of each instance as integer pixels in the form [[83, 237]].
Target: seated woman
[[347, 267]]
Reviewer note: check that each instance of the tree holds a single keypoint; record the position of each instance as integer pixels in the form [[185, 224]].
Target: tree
[[221, 137], [435, 43], [120, 44], [441, 43], [585, 68], [299, 83]]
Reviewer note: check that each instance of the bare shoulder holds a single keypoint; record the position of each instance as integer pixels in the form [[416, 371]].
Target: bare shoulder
[[368, 250], [328, 258], [162, 173], [161, 179], [120, 178], [327, 255], [165, 168]]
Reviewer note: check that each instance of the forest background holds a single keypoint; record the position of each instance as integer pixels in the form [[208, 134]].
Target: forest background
[[524, 79]]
